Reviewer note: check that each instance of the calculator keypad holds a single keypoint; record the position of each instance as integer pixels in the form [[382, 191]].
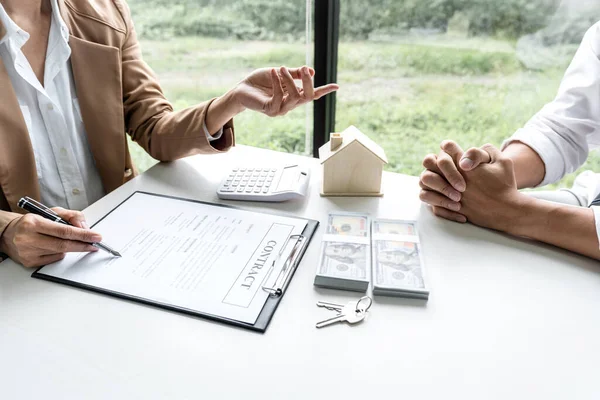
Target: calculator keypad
[[249, 180]]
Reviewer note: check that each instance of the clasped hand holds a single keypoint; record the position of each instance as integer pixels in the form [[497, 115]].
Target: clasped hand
[[478, 186]]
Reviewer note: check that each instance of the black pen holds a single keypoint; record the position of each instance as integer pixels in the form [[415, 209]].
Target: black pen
[[35, 207]]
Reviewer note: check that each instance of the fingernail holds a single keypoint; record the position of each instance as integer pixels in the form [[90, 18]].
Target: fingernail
[[96, 238], [84, 224], [461, 218], [454, 206], [93, 248], [466, 163], [455, 196], [460, 187]]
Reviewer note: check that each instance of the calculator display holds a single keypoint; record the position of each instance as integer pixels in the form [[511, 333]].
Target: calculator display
[[289, 177]]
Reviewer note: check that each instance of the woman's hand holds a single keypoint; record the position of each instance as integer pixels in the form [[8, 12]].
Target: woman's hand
[[271, 91], [274, 91], [34, 241]]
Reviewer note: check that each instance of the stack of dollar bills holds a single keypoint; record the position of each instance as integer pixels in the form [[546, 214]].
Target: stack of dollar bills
[[397, 260], [345, 253]]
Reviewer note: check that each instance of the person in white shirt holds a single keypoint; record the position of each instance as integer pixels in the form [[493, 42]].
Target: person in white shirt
[[73, 83], [481, 185]]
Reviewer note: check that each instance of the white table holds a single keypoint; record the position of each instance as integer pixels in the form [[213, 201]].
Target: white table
[[506, 319]]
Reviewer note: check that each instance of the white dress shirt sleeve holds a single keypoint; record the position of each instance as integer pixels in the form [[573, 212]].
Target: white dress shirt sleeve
[[565, 129], [210, 137], [563, 132]]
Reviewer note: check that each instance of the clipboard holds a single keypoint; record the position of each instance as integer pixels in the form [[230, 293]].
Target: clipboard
[[298, 244]]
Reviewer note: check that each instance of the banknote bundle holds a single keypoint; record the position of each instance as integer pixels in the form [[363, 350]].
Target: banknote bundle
[[345, 258], [397, 260]]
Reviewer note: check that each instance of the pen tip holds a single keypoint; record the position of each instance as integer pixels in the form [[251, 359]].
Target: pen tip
[[116, 254]]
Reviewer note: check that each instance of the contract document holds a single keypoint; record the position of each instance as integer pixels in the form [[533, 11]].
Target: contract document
[[190, 255]]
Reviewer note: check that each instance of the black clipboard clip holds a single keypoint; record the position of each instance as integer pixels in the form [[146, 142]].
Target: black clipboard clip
[[291, 263]]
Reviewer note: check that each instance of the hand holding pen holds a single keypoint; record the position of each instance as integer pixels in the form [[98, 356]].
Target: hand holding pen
[[35, 240]]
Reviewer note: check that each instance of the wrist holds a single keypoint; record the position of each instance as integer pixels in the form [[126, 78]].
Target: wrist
[[6, 237], [527, 218], [529, 167], [233, 101], [222, 110]]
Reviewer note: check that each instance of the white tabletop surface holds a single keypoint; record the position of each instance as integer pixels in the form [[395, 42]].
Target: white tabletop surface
[[506, 319]]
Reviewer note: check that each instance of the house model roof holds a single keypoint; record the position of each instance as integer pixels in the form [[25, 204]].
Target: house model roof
[[352, 135]]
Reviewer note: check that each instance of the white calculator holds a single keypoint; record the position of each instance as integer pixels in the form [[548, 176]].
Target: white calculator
[[272, 184]]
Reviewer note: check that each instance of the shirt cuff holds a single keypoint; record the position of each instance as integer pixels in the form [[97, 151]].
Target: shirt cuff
[[586, 187], [545, 148], [596, 210], [212, 138]]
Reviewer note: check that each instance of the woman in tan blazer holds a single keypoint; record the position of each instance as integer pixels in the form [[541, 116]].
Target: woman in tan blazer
[[117, 94]]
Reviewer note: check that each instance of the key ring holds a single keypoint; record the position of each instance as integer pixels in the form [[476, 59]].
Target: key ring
[[364, 299]]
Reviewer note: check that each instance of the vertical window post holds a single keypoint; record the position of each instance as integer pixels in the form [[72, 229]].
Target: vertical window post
[[327, 27]]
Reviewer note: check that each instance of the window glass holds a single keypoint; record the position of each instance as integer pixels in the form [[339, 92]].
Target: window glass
[[415, 72], [199, 49]]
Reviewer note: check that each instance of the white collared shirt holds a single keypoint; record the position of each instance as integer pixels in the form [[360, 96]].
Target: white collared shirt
[[564, 131], [66, 170]]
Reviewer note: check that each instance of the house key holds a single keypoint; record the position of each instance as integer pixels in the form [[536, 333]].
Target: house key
[[350, 313]]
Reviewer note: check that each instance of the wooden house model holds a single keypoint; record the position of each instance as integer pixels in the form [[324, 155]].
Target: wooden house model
[[352, 165]]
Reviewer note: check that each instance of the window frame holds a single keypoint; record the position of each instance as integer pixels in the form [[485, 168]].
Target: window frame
[[326, 34]]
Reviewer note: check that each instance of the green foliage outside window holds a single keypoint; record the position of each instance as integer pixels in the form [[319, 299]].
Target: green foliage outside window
[[285, 19], [412, 72]]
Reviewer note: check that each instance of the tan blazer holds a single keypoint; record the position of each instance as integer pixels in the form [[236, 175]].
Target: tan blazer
[[118, 94]]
